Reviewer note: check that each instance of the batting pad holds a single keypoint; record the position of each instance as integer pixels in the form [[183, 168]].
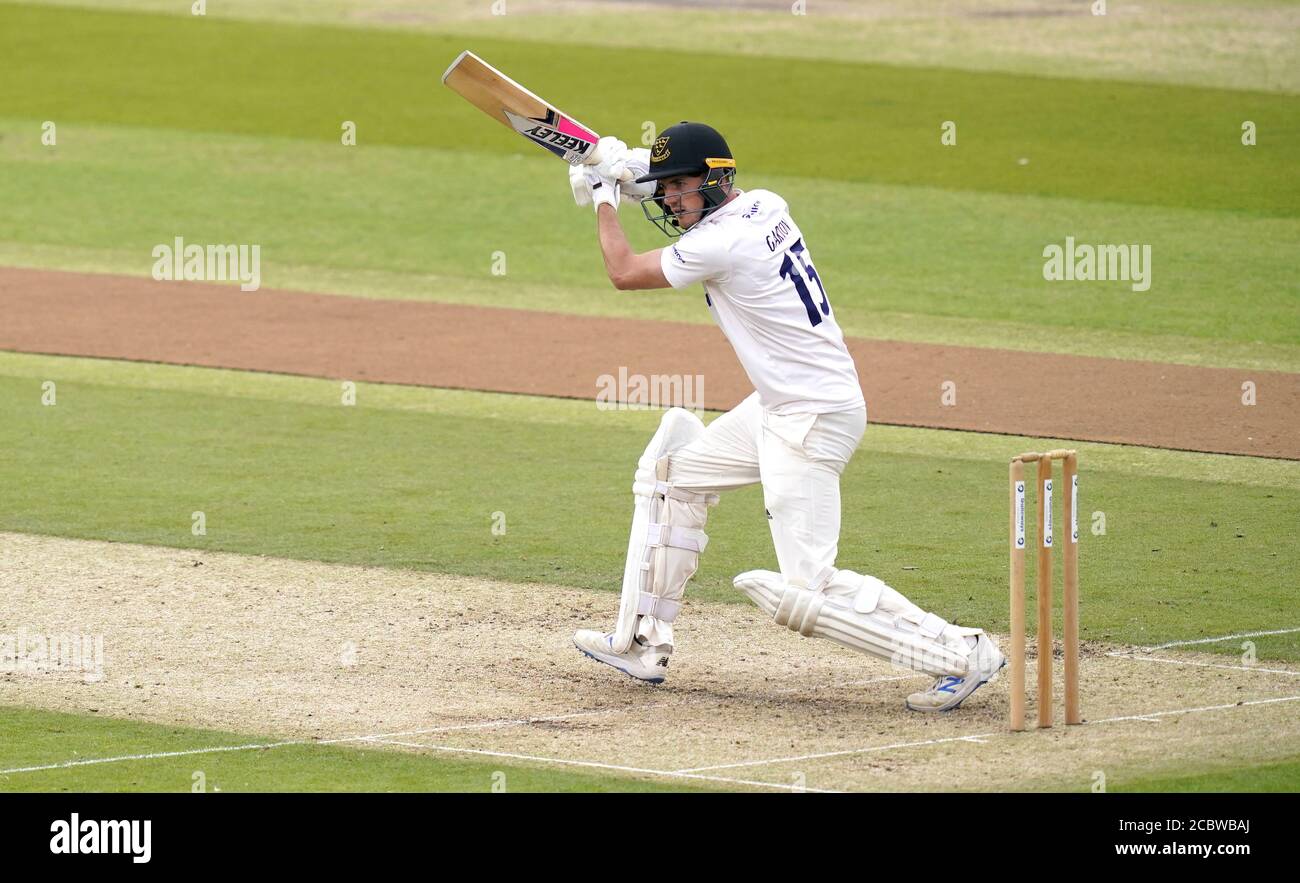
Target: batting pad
[[667, 537], [864, 614]]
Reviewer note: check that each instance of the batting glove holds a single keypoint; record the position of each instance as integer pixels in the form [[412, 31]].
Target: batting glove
[[578, 184], [604, 191], [613, 155]]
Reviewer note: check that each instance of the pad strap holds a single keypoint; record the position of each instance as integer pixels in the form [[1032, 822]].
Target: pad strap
[[678, 537], [798, 610], [660, 608], [932, 626], [821, 579], [685, 496], [868, 597]]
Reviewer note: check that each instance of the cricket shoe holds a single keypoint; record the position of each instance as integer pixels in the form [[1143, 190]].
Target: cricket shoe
[[986, 660], [641, 661]]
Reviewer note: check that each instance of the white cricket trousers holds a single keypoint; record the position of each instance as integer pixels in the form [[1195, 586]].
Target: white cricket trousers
[[797, 458]]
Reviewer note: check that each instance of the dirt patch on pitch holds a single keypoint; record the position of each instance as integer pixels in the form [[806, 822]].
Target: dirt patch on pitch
[[306, 650], [535, 353]]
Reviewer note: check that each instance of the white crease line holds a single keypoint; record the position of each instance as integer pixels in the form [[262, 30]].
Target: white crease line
[[1217, 640], [154, 756], [1272, 671], [847, 751], [1150, 717], [977, 739], [1156, 714], [157, 755], [681, 774]]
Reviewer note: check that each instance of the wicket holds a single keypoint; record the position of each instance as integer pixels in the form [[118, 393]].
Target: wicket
[[1070, 600]]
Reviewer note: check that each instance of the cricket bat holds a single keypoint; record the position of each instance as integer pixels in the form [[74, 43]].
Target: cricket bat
[[517, 109]]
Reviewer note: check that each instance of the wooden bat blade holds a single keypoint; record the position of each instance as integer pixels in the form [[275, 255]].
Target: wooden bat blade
[[515, 107]]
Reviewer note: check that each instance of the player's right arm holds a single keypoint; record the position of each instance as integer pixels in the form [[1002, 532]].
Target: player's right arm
[[698, 258], [626, 269]]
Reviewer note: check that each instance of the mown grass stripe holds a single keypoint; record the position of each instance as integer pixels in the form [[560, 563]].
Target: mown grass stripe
[[1132, 143]]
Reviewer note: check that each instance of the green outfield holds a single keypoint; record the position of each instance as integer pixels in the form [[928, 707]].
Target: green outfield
[[225, 128], [181, 140], [1266, 777], [375, 222], [1082, 139], [1242, 44]]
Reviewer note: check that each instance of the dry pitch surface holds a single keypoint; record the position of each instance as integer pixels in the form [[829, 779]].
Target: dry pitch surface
[[423, 662]]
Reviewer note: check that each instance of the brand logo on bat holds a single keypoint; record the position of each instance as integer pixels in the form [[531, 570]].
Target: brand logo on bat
[[558, 134]]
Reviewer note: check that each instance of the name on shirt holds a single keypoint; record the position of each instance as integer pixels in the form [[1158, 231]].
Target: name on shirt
[[778, 234]]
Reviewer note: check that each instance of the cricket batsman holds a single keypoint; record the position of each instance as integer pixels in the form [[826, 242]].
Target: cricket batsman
[[794, 434]]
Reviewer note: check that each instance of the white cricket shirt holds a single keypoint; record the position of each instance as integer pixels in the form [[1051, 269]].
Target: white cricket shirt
[[765, 294]]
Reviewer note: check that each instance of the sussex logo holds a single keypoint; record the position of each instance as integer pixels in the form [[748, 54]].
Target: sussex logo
[[660, 151]]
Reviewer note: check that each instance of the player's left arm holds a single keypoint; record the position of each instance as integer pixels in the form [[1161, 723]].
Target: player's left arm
[[627, 270]]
